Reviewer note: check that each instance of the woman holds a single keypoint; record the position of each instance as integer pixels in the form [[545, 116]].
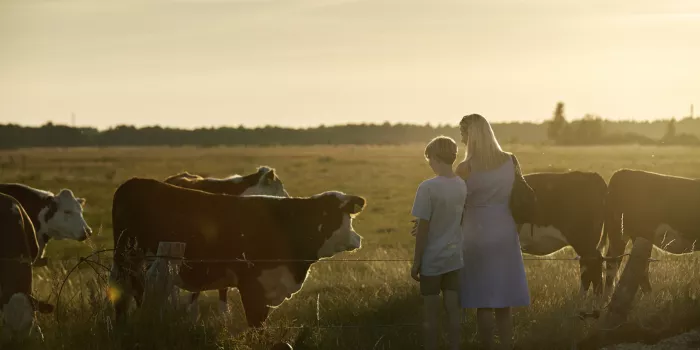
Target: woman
[[493, 278]]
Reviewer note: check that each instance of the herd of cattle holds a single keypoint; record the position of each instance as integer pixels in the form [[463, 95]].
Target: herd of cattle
[[252, 218]]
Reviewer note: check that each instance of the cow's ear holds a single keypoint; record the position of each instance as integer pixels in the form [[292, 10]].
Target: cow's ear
[[269, 177], [354, 205], [81, 201]]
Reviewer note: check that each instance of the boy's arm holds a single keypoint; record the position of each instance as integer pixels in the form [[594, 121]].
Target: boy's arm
[[421, 243], [422, 211]]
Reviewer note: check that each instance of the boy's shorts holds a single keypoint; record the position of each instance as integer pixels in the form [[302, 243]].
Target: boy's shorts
[[432, 285]]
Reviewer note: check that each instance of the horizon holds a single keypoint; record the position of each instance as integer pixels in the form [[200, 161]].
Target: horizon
[[304, 63], [375, 123]]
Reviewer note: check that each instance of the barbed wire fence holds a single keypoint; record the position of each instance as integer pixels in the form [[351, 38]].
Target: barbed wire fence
[[99, 268]]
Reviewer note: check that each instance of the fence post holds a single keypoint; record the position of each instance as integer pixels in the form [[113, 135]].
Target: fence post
[[623, 297], [162, 277]]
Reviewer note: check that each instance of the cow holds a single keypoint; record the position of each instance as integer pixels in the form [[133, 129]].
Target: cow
[[18, 251], [262, 245], [264, 181], [660, 208], [53, 216], [570, 212]]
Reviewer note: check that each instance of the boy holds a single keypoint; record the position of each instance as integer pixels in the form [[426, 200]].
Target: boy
[[438, 209]]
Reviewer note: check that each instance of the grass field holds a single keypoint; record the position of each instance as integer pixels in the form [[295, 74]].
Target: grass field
[[366, 294]]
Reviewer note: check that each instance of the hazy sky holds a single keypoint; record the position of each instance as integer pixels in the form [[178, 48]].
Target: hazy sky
[[190, 63]]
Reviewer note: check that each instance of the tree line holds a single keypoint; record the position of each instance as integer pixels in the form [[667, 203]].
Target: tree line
[[52, 135], [593, 130], [589, 130]]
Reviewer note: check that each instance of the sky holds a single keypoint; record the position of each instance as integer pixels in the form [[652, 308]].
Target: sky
[[301, 63]]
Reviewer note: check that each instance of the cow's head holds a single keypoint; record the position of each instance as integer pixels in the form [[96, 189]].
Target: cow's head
[[266, 183], [62, 218], [337, 212]]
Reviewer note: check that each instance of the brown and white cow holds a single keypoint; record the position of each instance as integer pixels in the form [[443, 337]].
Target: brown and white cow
[[282, 236], [570, 212], [661, 208], [19, 249], [262, 182], [53, 216]]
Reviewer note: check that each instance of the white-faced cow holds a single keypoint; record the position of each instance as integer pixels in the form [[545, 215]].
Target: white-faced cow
[[570, 211], [54, 216], [263, 182], [281, 236], [661, 208], [19, 249]]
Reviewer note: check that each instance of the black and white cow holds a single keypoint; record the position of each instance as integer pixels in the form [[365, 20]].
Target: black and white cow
[[19, 249], [661, 208], [570, 212], [294, 231], [262, 182], [53, 216]]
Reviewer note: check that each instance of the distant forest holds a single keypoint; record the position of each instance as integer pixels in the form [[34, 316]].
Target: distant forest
[[589, 130]]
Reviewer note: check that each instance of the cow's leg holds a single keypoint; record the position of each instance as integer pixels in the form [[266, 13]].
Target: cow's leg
[[597, 279], [137, 285], [585, 280], [126, 282], [591, 273], [643, 229], [644, 283], [223, 305], [194, 297], [121, 305], [585, 283], [254, 303], [119, 291], [193, 307]]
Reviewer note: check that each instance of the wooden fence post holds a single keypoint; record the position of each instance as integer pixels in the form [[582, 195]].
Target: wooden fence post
[[610, 329], [162, 277], [623, 296]]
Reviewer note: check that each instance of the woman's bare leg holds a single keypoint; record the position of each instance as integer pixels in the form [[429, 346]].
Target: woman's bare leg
[[504, 322], [484, 327]]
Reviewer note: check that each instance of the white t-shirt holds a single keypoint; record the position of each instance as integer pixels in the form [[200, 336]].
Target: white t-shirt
[[441, 200]]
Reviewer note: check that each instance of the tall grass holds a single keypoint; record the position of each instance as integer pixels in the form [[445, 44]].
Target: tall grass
[[364, 297]]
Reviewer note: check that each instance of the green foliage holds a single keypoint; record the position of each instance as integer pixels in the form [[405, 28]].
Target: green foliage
[[670, 130], [558, 124], [590, 130]]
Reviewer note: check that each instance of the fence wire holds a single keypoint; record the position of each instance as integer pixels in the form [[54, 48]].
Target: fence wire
[[95, 264]]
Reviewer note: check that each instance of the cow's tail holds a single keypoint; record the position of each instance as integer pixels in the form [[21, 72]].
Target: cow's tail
[[613, 226], [124, 268], [608, 223], [603, 242]]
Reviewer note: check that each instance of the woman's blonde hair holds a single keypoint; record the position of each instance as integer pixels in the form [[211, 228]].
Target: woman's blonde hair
[[483, 150]]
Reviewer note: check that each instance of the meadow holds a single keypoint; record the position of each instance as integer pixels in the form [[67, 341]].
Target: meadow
[[377, 302]]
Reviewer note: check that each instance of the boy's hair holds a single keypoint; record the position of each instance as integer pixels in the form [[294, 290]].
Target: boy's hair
[[442, 148]]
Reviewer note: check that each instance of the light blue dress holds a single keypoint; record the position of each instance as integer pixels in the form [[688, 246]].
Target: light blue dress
[[493, 275]]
